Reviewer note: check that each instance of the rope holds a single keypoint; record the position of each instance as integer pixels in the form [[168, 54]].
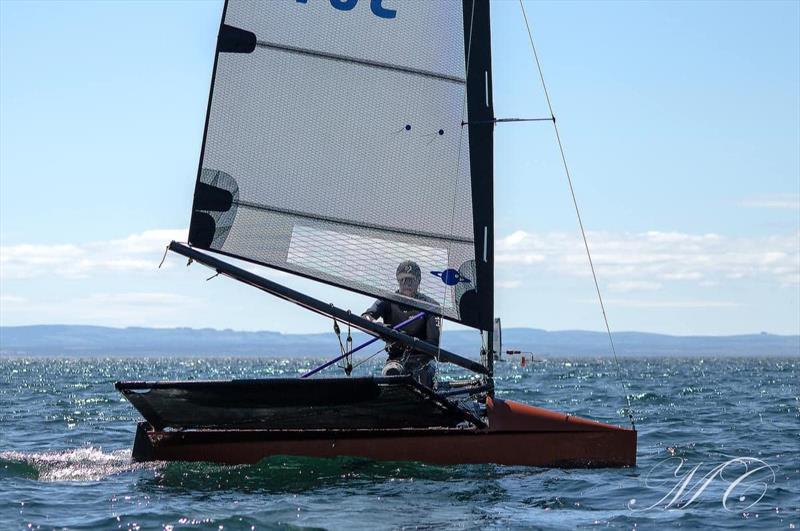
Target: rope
[[349, 340], [166, 250], [347, 367], [369, 357], [578, 213], [338, 335]]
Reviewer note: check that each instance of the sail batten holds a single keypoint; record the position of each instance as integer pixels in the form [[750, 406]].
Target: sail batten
[[335, 149], [339, 221], [346, 59]]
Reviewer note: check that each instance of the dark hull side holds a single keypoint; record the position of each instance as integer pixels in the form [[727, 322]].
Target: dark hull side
[[518, 435]]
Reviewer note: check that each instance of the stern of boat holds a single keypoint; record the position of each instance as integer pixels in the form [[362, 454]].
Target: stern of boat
[[560, 439]]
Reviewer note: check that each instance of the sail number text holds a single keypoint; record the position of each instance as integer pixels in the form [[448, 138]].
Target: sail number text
[[375, 5]]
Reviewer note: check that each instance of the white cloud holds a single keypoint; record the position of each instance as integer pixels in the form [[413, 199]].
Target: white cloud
[[654, 304], [107, 309], [517, 246], [508, 284], [643, 260], [625, 262], [515, 238], [133, 299], [687, 275], [138, 308], [634, 285], [136, 253], [781, 201]]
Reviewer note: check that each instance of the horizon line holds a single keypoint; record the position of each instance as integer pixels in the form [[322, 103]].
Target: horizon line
[[567, 330]]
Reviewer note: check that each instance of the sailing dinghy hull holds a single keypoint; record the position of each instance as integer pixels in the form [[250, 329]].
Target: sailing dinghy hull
[[517, 434]]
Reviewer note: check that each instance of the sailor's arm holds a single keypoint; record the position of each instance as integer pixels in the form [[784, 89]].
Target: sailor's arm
[[376, 311]]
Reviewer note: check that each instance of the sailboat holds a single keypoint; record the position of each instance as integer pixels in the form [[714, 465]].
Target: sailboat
[[343, 137]]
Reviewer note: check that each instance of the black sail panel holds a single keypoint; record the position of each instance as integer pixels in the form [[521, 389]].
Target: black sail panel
[[477, 44], [334, 148]]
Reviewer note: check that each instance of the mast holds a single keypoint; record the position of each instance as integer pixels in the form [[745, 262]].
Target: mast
[[480, 121]]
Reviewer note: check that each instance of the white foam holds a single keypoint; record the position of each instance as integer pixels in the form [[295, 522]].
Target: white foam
[[79, 464]]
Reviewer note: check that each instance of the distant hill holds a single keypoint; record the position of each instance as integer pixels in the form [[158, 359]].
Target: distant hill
[[73, 340]]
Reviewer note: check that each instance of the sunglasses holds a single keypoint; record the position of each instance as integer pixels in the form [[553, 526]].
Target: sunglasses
[[406, 280]]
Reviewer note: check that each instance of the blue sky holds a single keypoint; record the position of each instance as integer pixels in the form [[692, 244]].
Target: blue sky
[[681, 124]]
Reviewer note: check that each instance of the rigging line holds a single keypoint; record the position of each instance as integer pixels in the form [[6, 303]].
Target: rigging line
[[337, 332], [578, 213], [368, 358], [166, 250], [362, 345], [348, 368]]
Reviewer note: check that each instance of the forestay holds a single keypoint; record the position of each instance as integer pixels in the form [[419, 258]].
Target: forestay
[[335, 146]]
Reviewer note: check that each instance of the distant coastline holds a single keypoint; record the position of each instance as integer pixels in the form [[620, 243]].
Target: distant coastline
[[79, 340]]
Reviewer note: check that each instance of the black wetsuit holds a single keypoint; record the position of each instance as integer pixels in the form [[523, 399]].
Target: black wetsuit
[[393, 313]]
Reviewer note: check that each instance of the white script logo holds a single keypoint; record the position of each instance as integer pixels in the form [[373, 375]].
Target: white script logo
[[747, 479]]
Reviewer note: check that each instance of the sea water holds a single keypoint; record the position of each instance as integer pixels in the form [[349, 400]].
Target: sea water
[[719, 446]]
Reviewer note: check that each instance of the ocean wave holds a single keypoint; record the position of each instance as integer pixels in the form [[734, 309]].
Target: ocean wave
[[79, 464]]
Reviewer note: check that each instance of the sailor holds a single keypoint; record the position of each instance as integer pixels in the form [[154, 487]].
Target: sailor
[[403, 359]]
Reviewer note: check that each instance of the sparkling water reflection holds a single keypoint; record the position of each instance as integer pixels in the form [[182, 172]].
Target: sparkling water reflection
[[65, 437]]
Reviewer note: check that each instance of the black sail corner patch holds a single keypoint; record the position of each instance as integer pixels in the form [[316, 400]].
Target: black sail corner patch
[[212, 198], [202, 229], [214, 211], [235, 40], [215, 204]]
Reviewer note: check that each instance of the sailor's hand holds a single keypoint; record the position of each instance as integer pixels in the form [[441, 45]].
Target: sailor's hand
[[371, 319]]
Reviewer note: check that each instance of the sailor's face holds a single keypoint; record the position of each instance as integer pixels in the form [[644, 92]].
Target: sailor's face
[[408, 284]]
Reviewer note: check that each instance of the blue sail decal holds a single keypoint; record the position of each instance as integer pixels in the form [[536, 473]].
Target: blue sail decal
[[451, 277]]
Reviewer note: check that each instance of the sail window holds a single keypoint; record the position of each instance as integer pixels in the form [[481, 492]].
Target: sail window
[[365, 261]]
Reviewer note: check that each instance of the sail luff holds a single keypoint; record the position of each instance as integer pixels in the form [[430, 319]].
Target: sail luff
[[197, 186]]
